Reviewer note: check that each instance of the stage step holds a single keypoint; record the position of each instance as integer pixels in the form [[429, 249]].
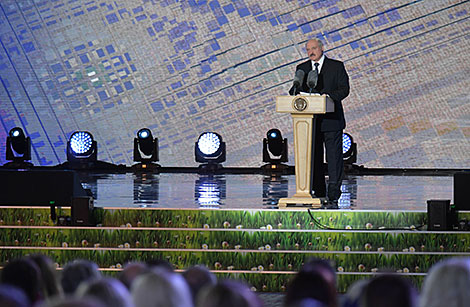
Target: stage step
[[264, 247]]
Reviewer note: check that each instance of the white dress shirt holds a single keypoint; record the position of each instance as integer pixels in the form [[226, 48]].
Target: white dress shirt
[[320, 61]]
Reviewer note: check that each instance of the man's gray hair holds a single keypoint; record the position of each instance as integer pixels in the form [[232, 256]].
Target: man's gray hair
[[315, 39]]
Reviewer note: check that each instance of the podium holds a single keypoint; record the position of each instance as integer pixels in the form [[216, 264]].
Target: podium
[[303, 109]]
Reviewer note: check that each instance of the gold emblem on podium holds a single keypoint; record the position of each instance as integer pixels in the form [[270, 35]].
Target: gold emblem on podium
[[300, 103]]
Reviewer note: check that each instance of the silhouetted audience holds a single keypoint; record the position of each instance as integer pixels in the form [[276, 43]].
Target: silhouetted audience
[[11, 296], [447, 284], [131, 271], [228, 293], [352, 297], [389, 291], [76, 272], [198, 277], [315, 280], [24, 274], [33, 282], [322, 266], [311, 285], [160, 263], [109, 291], [161, 288], [307, 302], [48, 275], [70, 301]]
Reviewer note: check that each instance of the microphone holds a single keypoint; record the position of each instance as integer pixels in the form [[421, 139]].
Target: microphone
[[312, 79], [298, 79]]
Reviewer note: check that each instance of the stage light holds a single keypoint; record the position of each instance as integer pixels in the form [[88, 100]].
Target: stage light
[[210, 149], [349, 149], [81, 148], [145, 147], [18, 147], [274, 147], [82, 153]]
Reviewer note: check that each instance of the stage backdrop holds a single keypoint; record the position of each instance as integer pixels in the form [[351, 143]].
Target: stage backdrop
[[180, 68]]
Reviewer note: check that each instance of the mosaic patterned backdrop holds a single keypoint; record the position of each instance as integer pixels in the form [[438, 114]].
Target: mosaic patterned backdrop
[[183, 67]]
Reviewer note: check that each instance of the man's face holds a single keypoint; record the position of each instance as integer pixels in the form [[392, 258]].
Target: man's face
[[314, 51]]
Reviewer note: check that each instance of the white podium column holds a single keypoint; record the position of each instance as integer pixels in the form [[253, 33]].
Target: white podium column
[[303, 110]]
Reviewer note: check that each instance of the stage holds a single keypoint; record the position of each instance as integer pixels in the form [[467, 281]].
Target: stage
[[230, 223], [255, 191]]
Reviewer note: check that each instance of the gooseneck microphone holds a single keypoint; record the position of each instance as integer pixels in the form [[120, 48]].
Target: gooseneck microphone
[[298, 79], [312, 79]]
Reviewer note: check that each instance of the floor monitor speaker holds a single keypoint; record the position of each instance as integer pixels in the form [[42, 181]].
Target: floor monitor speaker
[[439, 215], [461, 191]]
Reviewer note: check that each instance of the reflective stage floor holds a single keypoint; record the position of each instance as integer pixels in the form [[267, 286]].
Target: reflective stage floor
[[176, 190]]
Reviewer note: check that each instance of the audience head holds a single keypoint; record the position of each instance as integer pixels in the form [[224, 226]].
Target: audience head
[[228, 293], [48, 275], [389, 291], [11, 296], [197, 278], [161, 288], [76, 272], [311, 284], [70, 301], [111, 292], [131, 271], [352, 297], [322, 266], [447, 284], [160, 263], [307, 302], [24, 274]]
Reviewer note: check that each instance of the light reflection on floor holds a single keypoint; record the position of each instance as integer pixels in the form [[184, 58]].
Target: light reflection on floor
[[258, 191]]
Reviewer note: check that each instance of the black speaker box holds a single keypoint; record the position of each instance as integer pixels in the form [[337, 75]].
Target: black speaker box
[[439, 215], [39, 188], [82, 208], [48, 188], [461, 189]]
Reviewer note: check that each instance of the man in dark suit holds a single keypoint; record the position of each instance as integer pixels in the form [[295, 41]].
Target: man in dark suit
[[333, 80]]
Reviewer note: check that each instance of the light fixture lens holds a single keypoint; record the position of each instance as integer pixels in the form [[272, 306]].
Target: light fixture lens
[[81, 142], [347, 142], [273, 135], [15, 132], [208, 143], [143, 133]]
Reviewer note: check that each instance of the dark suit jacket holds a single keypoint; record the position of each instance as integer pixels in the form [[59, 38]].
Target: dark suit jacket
[[334, 81]]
